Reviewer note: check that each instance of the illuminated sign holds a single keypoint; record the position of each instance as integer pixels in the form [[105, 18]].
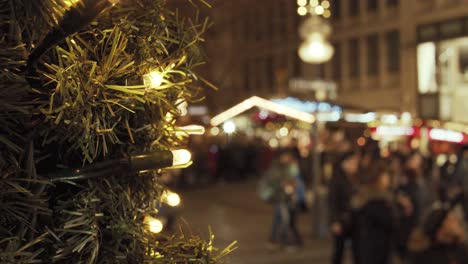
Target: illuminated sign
[[446, 135]]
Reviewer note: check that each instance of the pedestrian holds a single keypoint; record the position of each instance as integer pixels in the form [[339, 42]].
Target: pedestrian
[[374, 216], [296, 200], [441, 240], [278, 187], [343, 185], [413, 197]]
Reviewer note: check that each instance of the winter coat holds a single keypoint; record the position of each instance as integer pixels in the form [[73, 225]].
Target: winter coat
[[341, 190], [374, 224], [442, 254]]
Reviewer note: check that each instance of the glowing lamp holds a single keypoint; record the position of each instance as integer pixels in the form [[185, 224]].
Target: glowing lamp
[[316, 51], [181, 158], [192, 130], [172, 199], [154, 225], [153, 79], [229, 127]]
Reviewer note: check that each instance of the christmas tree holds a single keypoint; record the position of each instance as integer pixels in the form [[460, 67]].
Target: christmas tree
[[90, 94]]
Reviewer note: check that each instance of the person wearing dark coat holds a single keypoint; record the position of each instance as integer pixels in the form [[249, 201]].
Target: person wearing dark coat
[[413, 197], [342, 187], [441, 239], [375, 217]]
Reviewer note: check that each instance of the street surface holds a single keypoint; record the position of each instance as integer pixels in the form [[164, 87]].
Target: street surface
[[234, 212]]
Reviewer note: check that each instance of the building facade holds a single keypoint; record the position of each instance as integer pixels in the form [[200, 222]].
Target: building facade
[[252, 50]]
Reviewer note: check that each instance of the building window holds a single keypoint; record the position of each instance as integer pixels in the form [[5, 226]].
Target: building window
[[354, 57], [372, 5], [336, 63], [336, 9], [393, 51], [373, 55], [393, 3], [353, 7]]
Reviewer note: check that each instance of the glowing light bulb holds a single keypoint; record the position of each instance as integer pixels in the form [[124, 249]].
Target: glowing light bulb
[[325, 4], [153, 79], [229, 127], [316, 51], [181, 157], [154, 225], [182, 106], [192, 130], [319, 10], [314, 3], [302, 11], [301, 2], [172, 199], [214, 131]]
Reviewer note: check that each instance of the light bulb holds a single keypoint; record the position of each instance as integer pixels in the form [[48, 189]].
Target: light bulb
[[153, 79], [182, 106], [181, 157], [192, 130], [315, 51], [302, 10], [172, 199], [229, 127], [154, 225]]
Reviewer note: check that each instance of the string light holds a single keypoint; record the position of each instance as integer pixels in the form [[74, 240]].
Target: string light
[[154, 225], [153, 80], [191, 130], [301, 2]]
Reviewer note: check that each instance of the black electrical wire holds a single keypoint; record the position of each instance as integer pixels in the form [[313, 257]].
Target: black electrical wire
[[73, 21]]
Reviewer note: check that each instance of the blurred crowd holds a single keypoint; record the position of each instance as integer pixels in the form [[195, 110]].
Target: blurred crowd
[[396, 209], [401, 206]]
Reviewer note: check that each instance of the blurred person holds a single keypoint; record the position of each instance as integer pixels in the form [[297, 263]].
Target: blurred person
[[450, 182], [374, 216], [462, 172], [279, 186], [343, 185], [413, 196], [441, 239]]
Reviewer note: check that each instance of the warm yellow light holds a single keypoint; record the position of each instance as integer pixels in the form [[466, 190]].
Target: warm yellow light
[[327, 14], [274, 143], [71, 2], [301, 2], [192, 130], [325, 4], [319, 10], [154, 225], [182, 106], [181, 157], [153, 79], [172, 199], [314, 3], [302, 11], [316, 51], [229, 127], [214, 131], [263, 104], [283, 132]]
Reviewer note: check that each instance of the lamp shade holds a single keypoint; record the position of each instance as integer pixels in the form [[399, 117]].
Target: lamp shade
[[315, 51]]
